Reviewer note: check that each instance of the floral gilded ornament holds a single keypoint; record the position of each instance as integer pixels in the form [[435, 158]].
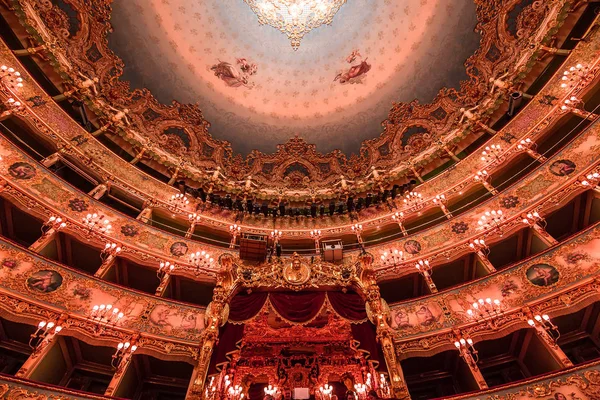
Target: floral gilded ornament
[[295, 18]]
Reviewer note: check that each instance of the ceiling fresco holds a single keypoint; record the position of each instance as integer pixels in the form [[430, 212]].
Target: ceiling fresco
[[257, 92]]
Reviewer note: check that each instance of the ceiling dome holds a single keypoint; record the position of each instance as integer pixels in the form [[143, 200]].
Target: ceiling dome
[[257, 92]]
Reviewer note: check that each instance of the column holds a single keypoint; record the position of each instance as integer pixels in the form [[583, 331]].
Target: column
[[485, 262], [553, 348], [477, 375], [489, 187], [544, 236], [451, 154], [138, 157], [50, 160], [105, 266], [384, 331], [554, 51], [191, 229], [29, 51], [40, 351], [145, 214], [46, 238], [100, 130], [211, 333], [174, 176], [119, 374], [414, 171], [164, 283], [196, 387], [99, 191]]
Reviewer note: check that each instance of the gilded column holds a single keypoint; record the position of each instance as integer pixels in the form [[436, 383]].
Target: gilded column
[[217, 314], [379, 315]]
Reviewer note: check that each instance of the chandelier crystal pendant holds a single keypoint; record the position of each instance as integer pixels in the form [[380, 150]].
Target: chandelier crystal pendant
[[295, 18]]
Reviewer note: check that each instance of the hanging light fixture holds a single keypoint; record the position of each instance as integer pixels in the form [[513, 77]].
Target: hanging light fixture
[[295, 18]]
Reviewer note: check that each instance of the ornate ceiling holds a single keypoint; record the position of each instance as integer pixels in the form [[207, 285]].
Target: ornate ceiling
[[257, 92], [235, 73]]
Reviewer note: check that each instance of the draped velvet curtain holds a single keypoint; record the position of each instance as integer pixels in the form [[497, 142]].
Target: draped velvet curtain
[[295, 307]]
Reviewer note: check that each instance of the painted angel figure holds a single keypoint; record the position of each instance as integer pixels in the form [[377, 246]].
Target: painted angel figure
[[247, 67], [233, 77], [354, 74], [352, 57], [120, 116]]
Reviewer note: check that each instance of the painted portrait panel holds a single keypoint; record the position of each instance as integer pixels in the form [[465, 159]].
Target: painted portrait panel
[[542, 275], [44, 281], [412, 247], [562, 167]]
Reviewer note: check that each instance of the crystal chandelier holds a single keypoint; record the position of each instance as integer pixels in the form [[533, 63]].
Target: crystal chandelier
[[295, 18]]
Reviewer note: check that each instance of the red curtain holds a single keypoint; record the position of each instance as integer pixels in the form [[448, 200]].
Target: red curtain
[[297, 306], [348, 305], [229, 337], [245, 306]]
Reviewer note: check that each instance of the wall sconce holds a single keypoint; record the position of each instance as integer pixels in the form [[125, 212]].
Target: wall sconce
[[11, 78], [104, 315], [484, 309], [201, 259], [110, 250], [97, 222], [479, 245], [440, 200], [316, 236], [571, 103], [384, 386], [325, 392], [482, 176], [179, 199], [394, 257], [276, 235], [123, 349], [399, 218], [591, 179], [491, 220], [543, 321], [534, 218], [573, 75], [235, 231], [361, 390], [54, 223], [423, 267], [12, 106], [413, 199], [491, 153], [194, 218], [235, 393], [271, 390], [44, 329], [165, 267], [526, 144], [467, 351]]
